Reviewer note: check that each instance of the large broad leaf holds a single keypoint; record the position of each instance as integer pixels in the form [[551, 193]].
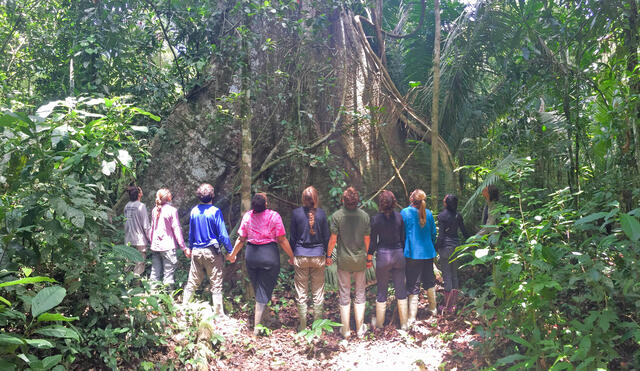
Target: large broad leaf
[[630, 226], [27, 280], [10, 339], [591, 217], [50, 317], [40, 343], [47, 363], [7, 366], [128, 252], [59, 332], [46, 299]]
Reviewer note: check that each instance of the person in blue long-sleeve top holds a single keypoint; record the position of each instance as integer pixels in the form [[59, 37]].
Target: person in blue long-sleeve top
[[419, 251], [207, 236]]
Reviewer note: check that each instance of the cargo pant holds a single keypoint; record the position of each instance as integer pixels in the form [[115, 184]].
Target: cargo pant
[[305, 268], [163, 265], [205, 263]]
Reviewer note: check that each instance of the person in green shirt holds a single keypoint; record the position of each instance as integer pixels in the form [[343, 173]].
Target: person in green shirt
[[350, 230]]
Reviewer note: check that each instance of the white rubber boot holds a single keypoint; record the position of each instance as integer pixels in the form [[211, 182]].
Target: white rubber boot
[[433, 308], [358, 310], [186, 295], [378, 320], [302, 317], [218, 305], [413, 309], [257, 317], [344, 318], [403, 313]]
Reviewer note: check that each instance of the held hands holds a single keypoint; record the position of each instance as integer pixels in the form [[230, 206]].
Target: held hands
[[291, 260], [231, 258], [187, 253], [369, 264], [329, 261]]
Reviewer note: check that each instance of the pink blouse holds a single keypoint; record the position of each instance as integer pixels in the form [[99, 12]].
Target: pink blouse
[[261, 228], [165, 229]]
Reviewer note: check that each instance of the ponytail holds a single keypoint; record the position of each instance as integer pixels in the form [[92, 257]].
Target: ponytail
[[418, 200], [310, 201], [162, 197], [422, 211]]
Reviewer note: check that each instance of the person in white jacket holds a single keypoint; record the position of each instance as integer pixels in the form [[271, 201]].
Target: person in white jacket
[[136, 226]]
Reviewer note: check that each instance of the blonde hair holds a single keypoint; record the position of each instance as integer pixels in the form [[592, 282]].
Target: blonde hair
[[310, 201], [418, 200], [163, 196]]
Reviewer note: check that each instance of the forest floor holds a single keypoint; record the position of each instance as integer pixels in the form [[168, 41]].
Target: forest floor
[[433, 343]]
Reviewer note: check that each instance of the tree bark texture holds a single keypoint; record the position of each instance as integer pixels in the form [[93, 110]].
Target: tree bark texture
[[321, 102]]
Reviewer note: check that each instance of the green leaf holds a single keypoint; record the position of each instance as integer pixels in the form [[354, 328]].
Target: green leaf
[[46, 299], [7, 366], [5, 301], [10, 339], [50, 317], [26, 271], [510, 359], [59, 332], [51, 361], [630, 226], [591, 218], [128, 253], [481, 253], [143, 129], [27, 280], [40, 343]]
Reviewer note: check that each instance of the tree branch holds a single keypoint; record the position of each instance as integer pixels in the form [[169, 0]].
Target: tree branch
[[166, 38], [411, 34]]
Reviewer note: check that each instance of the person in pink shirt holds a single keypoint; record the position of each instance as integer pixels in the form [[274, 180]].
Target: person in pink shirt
[[263, 231], [165, 235]]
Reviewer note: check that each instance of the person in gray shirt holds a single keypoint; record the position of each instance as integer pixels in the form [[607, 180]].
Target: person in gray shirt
[[136, 226]]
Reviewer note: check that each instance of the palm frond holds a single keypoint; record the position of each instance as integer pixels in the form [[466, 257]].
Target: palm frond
[[500, 170]]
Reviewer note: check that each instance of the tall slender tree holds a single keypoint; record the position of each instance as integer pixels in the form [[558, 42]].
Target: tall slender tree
[[434, 108]]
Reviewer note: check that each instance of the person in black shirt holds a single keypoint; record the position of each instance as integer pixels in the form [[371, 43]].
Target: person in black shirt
[[449, 221], [309, 236], [387, 239]]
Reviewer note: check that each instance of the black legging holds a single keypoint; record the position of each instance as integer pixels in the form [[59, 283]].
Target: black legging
[[419, 270], [263, 266], [390, 264]]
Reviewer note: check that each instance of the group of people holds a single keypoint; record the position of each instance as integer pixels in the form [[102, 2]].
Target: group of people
[[405, 244]]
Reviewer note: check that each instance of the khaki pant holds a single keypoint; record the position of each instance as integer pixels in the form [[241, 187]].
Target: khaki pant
[[344, 283], [139, 267], [204, 262], [309, 267]]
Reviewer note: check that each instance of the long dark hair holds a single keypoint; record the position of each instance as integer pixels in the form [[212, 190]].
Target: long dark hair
[[386, 202], [451, 202]]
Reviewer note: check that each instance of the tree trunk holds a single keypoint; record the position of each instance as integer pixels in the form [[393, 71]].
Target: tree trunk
[[435, 178]]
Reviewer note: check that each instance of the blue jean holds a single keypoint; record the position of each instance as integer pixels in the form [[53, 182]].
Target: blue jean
[[390, 264]]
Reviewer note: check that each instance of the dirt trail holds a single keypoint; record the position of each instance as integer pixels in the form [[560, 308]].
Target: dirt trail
[[431, 344]]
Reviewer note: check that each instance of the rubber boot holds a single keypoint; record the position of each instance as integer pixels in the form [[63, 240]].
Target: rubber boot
[[403, 313], [344, 318], [257, 317], [186, 295], [358, 310], [445, 307], [431, 295], [413, 309], [451, 304], [378, 320], [302, 317], [218, 305], [318, 312]]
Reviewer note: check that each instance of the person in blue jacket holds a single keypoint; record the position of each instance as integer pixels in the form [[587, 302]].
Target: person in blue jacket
[[419, 251], [207, 236]]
